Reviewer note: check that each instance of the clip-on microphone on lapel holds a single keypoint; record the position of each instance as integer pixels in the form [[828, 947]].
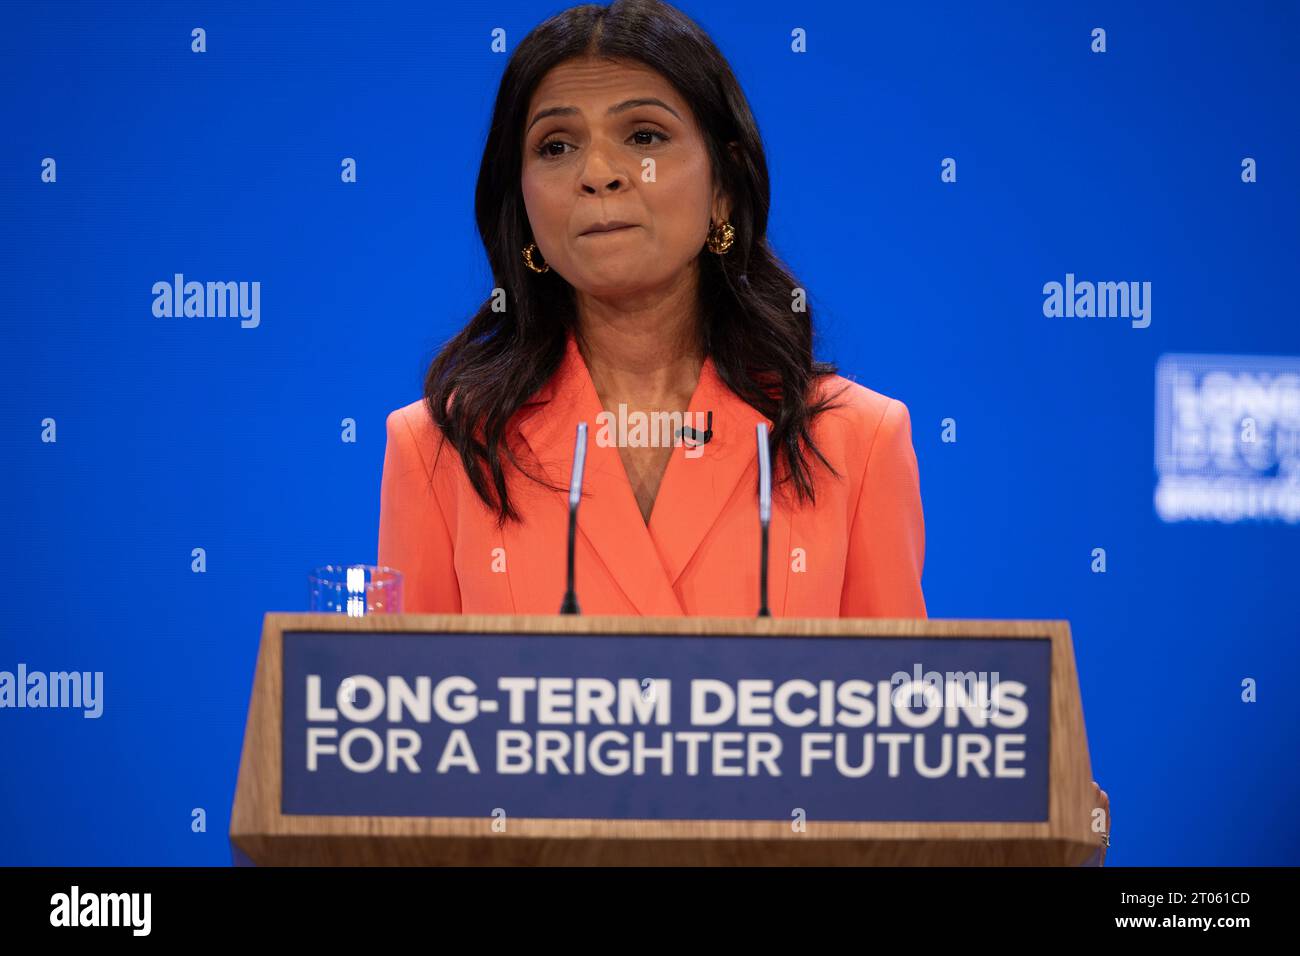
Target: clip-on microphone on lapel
[[698, 437]]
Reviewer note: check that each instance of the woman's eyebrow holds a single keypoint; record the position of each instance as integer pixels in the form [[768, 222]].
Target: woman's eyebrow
[[616, 108], [642, 101]]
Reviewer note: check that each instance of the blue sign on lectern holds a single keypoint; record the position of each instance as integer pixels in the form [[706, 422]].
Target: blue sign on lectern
[[658, 726]]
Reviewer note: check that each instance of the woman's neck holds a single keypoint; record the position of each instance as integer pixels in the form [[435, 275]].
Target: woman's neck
[[646, 351]]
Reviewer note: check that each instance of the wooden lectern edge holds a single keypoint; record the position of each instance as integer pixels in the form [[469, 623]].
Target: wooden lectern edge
[[715, 626], [258, 828]]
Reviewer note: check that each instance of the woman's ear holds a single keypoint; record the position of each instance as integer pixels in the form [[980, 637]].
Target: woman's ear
[[721, 201], [720, 208]]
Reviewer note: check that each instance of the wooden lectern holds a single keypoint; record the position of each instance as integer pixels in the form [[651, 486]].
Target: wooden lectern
[[1058, 833]]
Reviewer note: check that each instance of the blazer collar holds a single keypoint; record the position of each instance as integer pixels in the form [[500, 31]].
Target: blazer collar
[[646, 561]]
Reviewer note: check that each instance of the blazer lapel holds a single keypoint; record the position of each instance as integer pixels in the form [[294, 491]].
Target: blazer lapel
[[609, 520], [696, 490]]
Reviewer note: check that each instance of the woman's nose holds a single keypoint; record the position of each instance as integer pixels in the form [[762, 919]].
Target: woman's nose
[[600, 174]]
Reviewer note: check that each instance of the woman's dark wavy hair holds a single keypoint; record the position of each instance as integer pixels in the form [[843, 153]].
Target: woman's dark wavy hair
[[761, 347]]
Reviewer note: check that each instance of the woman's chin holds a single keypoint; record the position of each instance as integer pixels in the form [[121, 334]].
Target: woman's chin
[[628, 279]]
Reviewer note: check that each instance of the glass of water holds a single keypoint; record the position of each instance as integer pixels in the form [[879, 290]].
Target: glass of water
[[355, 590]]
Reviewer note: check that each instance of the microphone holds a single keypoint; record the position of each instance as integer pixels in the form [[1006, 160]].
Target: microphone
[[570, 603], [700, 438], [764, 515]]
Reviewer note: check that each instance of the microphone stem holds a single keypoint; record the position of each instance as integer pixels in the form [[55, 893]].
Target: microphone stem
[[570, 603], [764, 512]]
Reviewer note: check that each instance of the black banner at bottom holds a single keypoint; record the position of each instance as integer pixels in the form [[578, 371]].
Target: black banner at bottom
[[256, 906]]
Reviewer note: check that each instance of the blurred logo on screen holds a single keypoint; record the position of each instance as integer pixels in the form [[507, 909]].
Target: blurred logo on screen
[[1228, 438]]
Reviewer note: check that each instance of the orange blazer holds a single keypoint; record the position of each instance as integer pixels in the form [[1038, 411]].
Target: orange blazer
[[858, 552]]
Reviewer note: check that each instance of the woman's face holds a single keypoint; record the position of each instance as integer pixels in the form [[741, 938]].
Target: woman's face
[[612, 142]]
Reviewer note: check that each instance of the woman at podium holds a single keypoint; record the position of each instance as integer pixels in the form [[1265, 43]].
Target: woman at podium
[[622, 201]]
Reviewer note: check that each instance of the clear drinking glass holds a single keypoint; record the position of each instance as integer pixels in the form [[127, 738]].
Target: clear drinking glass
[[355, 590]]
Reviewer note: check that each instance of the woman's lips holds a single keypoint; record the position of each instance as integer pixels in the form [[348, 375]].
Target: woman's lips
[[613, 231]]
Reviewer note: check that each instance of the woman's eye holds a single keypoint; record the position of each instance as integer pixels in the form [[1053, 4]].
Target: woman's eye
[[546, 151], [649, 133]]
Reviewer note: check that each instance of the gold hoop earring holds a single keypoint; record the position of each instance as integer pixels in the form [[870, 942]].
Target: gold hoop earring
[[721, 236], [529, 251]]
